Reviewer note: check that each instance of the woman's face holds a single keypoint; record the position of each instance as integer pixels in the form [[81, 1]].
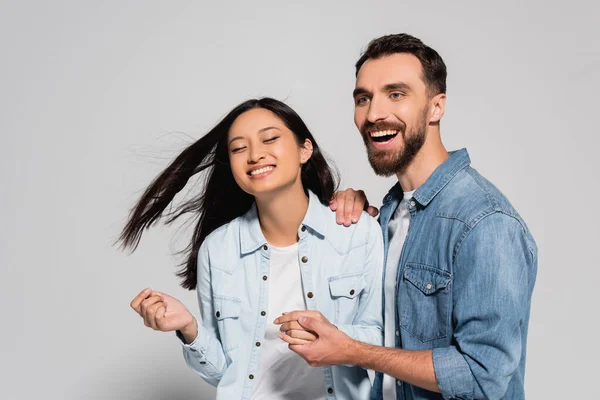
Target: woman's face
[[264, 154]]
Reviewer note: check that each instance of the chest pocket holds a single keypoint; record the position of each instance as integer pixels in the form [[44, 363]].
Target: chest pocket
[[345, 292], [227, 312], [425, 301]]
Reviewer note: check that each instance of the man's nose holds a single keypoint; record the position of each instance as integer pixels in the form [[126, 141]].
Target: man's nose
[[377, 110]]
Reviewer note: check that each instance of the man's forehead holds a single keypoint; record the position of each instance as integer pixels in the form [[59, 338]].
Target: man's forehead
[[399, 67]]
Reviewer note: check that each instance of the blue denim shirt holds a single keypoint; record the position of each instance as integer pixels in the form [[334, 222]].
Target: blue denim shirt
[[341, 271], [464, 285]]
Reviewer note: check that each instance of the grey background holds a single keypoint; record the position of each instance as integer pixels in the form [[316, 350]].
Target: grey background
[[97, 97]]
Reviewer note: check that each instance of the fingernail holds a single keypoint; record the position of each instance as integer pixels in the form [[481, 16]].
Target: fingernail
[[354, 219], [276, 321], [147, 290]]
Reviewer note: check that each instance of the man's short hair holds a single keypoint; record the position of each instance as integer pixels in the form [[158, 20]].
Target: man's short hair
[[434, 69]]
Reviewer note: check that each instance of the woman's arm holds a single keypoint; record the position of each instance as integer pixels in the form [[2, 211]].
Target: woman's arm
[[204, 354]]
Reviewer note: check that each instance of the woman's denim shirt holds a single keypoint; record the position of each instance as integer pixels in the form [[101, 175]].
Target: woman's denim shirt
[[341, 269]]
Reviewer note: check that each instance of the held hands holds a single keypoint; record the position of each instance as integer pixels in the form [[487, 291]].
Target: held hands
[[349, 204], [321, 344], [164, 313]]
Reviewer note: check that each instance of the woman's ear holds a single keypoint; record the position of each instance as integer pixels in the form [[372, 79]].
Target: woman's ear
[[306, 151]]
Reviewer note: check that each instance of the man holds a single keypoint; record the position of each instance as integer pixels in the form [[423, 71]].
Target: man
[[460, 262]]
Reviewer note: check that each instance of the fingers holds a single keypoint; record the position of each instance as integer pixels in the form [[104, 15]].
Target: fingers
[[150, 314], [315, 325], [291, 340], [333, 204], [341, 200], [348, 209], [294, 315], [372, 211], [149, 306], [288, 326], [137, 301], [148, 302], [302, 334]]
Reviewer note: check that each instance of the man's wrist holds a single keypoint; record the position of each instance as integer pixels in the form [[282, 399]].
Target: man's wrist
[[351, 352]]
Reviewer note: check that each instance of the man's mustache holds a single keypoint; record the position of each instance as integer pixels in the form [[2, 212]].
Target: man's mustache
[[381, 126]]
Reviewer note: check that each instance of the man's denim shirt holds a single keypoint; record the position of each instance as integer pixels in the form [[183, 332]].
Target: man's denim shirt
[[464, 285], [341, 271]]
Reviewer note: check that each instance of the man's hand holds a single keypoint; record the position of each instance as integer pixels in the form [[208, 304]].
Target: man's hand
[[349, 204], [293, 330], [162, 312], [331, 347]]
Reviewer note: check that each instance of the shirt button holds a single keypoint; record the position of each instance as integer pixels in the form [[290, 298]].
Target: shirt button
[[330, 390], [412, 203], [310, 295], [351, 292], [264, 277], [265, 247], [257, 344], [251, 376], [428, 286], [303, 228], [397, 332], [218, 314], [263, 313], [398, 383], [305, 259]]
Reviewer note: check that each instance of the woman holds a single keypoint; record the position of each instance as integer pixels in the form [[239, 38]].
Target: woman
[[265, 243]]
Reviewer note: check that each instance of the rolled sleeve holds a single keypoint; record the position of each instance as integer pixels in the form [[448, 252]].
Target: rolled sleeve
[[452, 372]]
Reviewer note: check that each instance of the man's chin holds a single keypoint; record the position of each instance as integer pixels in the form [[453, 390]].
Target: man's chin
[[383, 169]]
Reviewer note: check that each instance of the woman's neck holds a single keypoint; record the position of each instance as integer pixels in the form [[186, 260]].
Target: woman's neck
[[281, 214]]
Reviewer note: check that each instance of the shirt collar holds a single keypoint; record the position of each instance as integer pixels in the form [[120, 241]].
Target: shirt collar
[[251, 236], [443, 174]]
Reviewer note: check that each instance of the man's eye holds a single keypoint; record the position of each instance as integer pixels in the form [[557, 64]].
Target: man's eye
[[362, 100], [396, 95], [271, 140]]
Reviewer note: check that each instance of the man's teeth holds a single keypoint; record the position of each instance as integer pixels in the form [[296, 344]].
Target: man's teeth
[[261, 170], [383, 133]]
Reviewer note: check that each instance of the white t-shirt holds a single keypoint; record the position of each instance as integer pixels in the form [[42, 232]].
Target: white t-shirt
[[284, 375], [397, 230]]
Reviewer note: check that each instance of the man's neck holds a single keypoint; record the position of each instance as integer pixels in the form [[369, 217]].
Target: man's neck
[[281, 214], [432, 155]]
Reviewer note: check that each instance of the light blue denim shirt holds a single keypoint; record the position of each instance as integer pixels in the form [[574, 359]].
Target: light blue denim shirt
[[341, 269], [464, 284]]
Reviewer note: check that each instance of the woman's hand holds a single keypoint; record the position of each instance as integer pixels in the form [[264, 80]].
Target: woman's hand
[[164, 313], [294, 332]]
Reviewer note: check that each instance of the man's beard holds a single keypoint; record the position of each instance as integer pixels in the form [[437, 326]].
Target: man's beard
[[389, 162]]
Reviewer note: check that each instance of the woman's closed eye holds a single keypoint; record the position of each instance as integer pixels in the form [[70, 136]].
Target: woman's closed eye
[[271, 139], [238, 149]]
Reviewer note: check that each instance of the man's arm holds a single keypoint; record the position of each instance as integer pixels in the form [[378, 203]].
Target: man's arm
[[494, 268], [333, 347]]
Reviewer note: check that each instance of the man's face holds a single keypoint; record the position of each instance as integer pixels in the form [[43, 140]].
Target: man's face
[[391, 111]]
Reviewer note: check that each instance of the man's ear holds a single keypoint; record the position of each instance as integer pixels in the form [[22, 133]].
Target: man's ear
[[438, 106]]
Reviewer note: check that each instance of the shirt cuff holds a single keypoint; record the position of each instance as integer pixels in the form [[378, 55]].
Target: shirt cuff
[[452, 372], [198, 347]]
